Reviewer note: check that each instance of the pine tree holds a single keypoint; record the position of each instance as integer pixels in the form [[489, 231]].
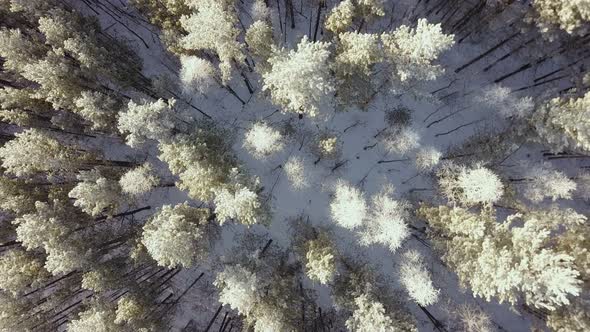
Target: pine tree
[[469, 186], [98, 317], [565, 123], [300, 80], [341, 16], [202, 161], [34, 151], [356, 53], [99, 109], [239, 200], [177, 235], [348, 208], [544, 181], [386, 222], [262, 140], [139, 180], [370, 315], [504, 260], [148, 121], [20, 270], [95, 194], [417, 280], [212, 28], [264, 288], [413, 51], [260, 42], [570, 16], [196, 74], [320, 259]]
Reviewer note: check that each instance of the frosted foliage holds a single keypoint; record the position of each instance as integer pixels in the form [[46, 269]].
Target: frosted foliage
[[270, 320], [95, 194], [196, 74], [369, 315], [174, 235], [473, 319], [413, 51], [372, 7], [16, 196], [403, 141], [348, 207], [200, 161], [17, 50], [480, 185], [417, 280], [300, 80], [260, 12], [42, 228], [427, 158], [49, 73], [574, 318], [238, 288], [341, 16], [139, 180], [357, 53], [212, 28], [497, 260], [320, 264], [128, 310], [19, 270], [547, 182], [96, 318], [565, 123], [386, 222], [33, 151], [238, 200], [328, 146], [98, 109], [31, 7], [568, 15], [152, 120], [501, 99], [295, 171], [259, 40], [469, 186], [262, 140], [64, 257], [94, 281]]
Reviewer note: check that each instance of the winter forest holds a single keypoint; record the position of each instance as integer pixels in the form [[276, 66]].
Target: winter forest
[[294, 165]]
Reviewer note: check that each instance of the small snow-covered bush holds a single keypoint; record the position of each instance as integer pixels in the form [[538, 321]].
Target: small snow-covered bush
[[295, 170], [348, 207], [262, 140]]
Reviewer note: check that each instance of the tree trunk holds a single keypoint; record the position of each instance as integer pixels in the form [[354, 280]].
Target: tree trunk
[[317, 21], [213, 319]]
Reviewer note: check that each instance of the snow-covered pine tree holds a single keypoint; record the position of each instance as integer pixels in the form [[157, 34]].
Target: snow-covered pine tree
[[211, 27], [505, 260], [299, 80], [412, 51], [178, 235], [565, 123]]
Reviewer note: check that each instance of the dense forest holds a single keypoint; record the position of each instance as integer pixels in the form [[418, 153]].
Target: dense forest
[[294, 165]]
